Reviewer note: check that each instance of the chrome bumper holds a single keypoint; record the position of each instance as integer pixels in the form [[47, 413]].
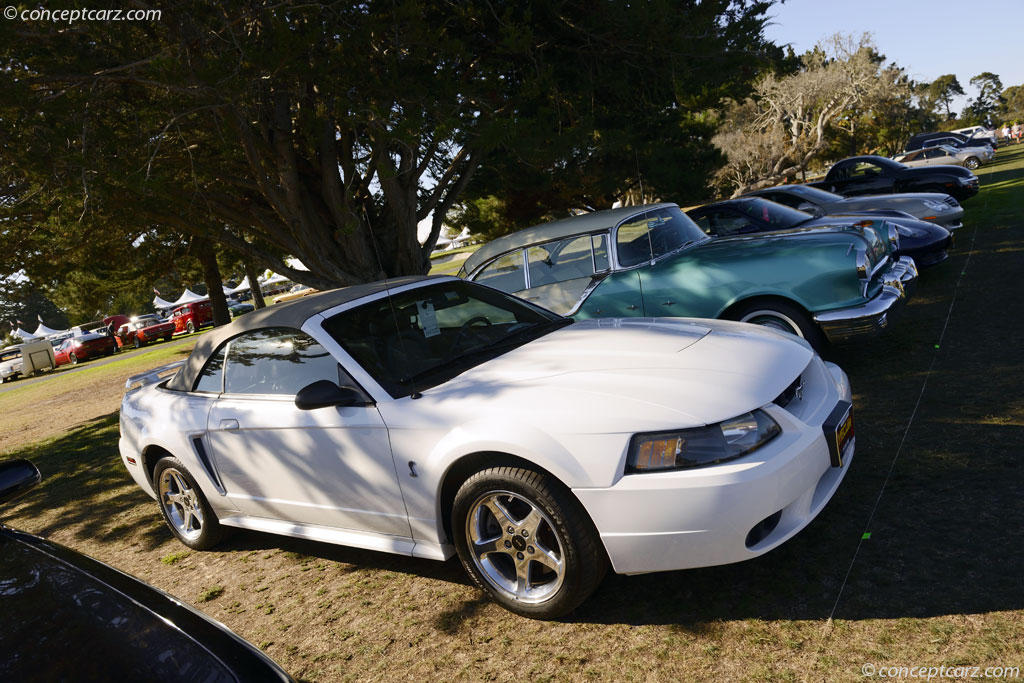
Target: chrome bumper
[[874, 316]]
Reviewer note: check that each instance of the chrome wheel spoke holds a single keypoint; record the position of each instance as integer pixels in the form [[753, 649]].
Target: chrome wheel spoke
[[484, 548], [522, 578], [547, 558], [501, 515]]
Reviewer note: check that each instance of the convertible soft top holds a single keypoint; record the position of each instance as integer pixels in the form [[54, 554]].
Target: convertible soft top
[[290, 314]]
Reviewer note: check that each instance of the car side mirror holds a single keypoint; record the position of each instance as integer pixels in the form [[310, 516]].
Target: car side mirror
[[324, 393], [17, 477]]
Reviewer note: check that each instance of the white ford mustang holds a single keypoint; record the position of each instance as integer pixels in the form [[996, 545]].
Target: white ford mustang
[[436, 416]]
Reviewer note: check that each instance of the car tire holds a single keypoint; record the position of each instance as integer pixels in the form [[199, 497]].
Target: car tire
[[972, 163], [190, 327], [784, 316], [525, 540], [184, 507], [73, 358], [168, 337], [136, 343]]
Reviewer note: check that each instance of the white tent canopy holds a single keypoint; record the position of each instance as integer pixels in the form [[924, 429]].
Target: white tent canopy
[[159, 303], [44, 331], [243, 286], [26, 336]]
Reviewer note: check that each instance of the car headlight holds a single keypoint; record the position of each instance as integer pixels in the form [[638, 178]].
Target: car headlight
[[660, 451], [935, 206]]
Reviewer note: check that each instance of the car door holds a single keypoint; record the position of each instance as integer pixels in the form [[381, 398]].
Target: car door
[[330, 466]]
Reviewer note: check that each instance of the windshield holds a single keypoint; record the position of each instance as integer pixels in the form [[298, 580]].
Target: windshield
[[423, 337], [812, 194], [10, 355], [776, 215]]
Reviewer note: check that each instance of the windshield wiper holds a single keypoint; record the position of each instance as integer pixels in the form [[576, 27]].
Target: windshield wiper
[[498, 345]]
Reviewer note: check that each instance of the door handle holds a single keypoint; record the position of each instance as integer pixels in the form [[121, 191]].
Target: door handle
[[632, 307], [668, 303], [229, 425]]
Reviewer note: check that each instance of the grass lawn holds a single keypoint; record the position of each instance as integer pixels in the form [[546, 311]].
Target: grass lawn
[[936, 482]]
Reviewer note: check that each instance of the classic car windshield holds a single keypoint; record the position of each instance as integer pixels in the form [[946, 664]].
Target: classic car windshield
[[813, 193], [10, 355], [653, 234], [422, 337], [776, 215]]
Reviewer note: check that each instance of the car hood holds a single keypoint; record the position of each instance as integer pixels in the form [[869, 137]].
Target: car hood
[[638, 373]]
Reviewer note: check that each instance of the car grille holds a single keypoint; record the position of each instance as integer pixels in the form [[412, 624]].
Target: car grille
[[794, 390], [952, 202]]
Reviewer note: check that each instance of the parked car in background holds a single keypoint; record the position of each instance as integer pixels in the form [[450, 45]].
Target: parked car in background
[[538, 449], [95, 327], [139, 330], [68, 617], [84, 347], [972, 131], [970, 158], [191, 317], [296, 292], [237, 308], [653, 261], [952, 139], [933, 207], [878, 175], [26, 359], [10, 363], [924, 242]]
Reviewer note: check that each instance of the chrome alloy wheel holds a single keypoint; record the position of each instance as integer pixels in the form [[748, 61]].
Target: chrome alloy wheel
[[181, 503], [516, 547], [774, 320]]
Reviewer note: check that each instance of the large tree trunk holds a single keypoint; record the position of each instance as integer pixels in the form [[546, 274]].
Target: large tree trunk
[[203, 250], [254, 285]]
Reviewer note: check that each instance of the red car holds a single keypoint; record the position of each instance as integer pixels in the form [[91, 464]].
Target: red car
[[139, 330], [84, 347], [191, 317]]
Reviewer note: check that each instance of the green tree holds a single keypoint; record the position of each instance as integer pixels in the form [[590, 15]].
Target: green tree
[[1012, 108], [328, 131], [984, 107], [942, 91]]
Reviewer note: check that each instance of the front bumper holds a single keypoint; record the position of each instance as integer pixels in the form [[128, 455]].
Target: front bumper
[[874, 316], [735, 511]]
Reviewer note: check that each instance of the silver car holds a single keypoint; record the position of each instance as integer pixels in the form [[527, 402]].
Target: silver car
[[968, 157], [933, 207]]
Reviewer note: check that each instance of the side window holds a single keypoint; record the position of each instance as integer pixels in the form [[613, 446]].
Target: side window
[[653, 234], [211, 379], [277, 361], [505, 273], [864, 170], [725, 223], [560, 261], [599, 243], [785, 199]]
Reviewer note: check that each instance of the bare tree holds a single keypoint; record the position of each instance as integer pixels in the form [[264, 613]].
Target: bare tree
[[785, 124]]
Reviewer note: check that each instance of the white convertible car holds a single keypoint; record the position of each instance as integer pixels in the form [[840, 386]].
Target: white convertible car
[[431, 416]]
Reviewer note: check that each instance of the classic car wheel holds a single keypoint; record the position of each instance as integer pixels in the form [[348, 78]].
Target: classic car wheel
[[73, 358], [190, 327], [526, 541], [168, 337], [136, 343], [780, 315], [972, 163], [184, 507]]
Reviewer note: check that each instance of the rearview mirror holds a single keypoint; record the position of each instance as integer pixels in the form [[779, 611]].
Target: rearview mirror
[[324, 393], [17, 477]]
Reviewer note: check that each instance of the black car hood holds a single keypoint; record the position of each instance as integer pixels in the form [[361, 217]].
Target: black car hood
[[69, 617]]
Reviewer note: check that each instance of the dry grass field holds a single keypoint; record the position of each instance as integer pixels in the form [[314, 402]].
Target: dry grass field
[[936, 482]]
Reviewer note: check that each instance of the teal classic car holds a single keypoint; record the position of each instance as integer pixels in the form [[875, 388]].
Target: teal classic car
[[825, 284]]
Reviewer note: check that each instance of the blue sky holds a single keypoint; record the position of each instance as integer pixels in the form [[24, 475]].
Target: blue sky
[[927, 39]]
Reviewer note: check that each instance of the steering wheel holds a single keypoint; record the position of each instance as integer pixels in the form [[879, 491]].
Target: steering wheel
[[465, 326]]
